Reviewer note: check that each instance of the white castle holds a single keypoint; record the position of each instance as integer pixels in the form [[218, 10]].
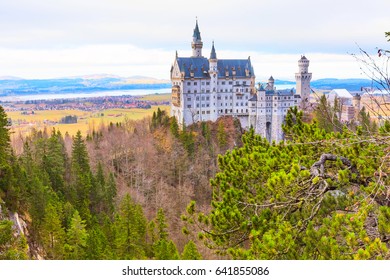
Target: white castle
[[204, 89]]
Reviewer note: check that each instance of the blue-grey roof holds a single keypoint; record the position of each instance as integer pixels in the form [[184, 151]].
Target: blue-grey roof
[[213, 54], [253, 98], [200, 67], [196, 32]]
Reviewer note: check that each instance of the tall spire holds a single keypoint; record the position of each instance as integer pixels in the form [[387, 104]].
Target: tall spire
[[196, 35], [196, 43], [213, 54]]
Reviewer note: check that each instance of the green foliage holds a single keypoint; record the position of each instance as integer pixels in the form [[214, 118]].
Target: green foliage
[[308, 198], [221, 135], [11, 247], [190, 252], [130, 228], [76, 238]]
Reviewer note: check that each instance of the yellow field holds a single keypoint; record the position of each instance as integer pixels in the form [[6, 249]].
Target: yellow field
[[86, 120], [157, 97]]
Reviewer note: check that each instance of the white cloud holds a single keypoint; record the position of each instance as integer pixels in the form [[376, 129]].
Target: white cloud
[[123, 37]]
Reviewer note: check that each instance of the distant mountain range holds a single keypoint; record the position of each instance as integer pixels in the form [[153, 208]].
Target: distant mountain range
[[91, 83], [104, 82], [331, 83]]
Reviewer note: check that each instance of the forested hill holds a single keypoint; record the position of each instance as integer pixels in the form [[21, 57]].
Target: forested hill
[[117, 193], [142, 190]]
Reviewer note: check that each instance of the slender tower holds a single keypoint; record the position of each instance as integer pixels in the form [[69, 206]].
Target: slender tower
[[303, 78], [197, 43]]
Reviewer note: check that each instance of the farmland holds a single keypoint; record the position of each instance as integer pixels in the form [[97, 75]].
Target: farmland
[[25, 118]]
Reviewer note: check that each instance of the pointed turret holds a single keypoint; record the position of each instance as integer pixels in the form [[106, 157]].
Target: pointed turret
[[213, 54], [196, 35], [197, 43]]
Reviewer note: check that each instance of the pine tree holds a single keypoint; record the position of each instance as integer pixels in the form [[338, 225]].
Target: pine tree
[[52, 232], [76, 240], [130, 228], [190, 252]]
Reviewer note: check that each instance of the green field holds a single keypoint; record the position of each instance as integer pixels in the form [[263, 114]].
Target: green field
[[87, 121]]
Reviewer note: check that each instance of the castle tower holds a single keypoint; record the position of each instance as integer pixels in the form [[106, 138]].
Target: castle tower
[[356, 104], [197, 43], [271, 82], [303, 78], [213, 70]]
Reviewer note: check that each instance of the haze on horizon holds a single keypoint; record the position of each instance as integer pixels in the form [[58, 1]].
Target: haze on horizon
[[48, 39]]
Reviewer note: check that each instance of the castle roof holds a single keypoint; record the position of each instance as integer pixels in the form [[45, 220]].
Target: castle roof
[[200, 67], [341, 93]]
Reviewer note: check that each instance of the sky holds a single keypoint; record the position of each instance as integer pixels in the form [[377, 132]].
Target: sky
[[63, 38]]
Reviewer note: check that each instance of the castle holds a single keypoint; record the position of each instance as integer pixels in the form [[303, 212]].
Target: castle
[[204, 89]]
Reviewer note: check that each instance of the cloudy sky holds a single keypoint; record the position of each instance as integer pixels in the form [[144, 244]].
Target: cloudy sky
[[47, 38]]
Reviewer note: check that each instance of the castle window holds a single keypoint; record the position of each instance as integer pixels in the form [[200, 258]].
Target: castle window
[[208, 98], [203, 112], [207, 112], [253, 104], [189, 91], [219, 97], [202, 83], [189, 99], [188, 106], [207, 83], [230, 83], [231, 90], [195, 91], [202, 105], [197, 98], [244, 82], [195, 83], [188, 83], [208, 91], [223, 83], [197, 105]]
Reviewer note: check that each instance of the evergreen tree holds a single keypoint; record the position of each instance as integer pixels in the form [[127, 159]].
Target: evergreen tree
[[76, 240], [53, 234], [11, 247], [190, 252], [130, 228]]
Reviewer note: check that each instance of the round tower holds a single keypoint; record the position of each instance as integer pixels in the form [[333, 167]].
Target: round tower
[[303, 78], [196, 43]]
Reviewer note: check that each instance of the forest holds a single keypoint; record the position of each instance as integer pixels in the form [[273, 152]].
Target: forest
[[151, 190]]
